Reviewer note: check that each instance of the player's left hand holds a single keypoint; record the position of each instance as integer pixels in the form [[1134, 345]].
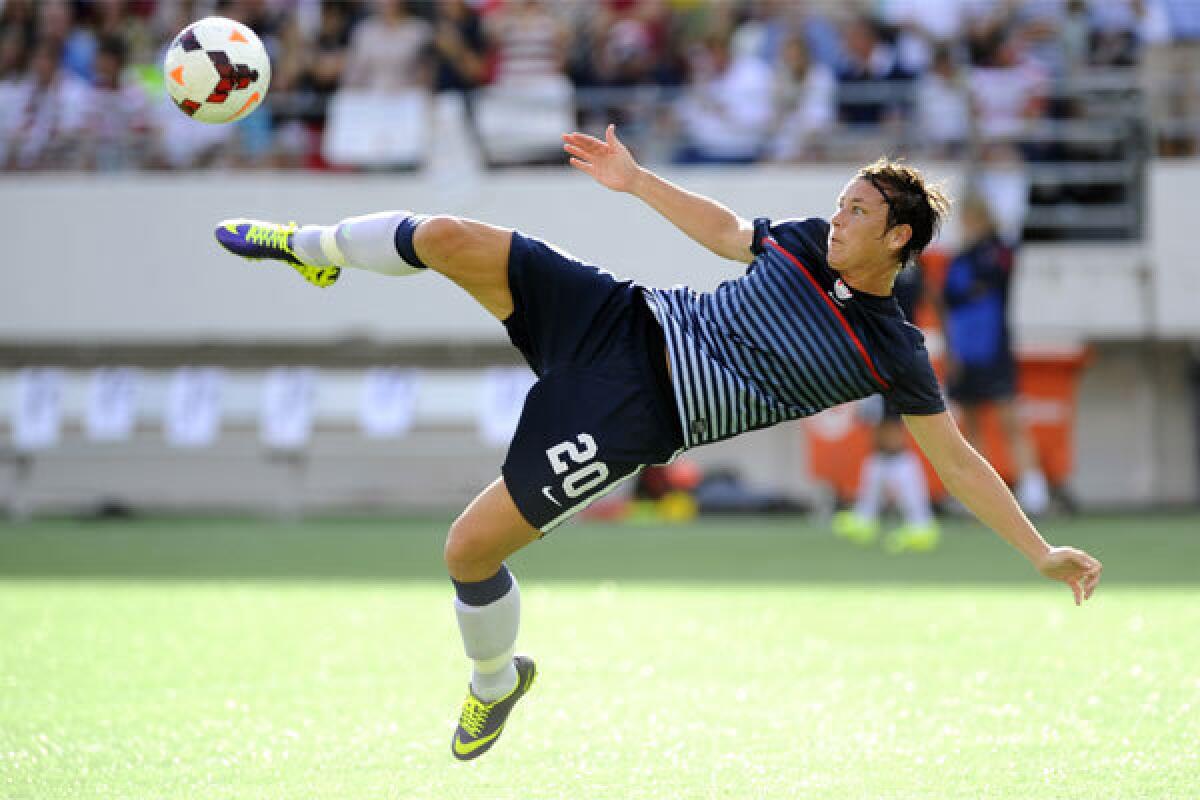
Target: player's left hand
[[608, 161], [1073, 567]]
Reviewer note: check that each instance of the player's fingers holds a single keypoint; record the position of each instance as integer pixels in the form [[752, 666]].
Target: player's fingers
[[575, 150], [610, 135], [589, 144], [1077, 590], [583, 166], [1089, 583]]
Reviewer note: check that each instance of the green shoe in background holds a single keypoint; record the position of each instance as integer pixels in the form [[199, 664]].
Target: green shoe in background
[[914, 538], [855, 528]]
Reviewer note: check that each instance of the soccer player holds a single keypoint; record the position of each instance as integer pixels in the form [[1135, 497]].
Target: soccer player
[[630, 376], [983, 367]]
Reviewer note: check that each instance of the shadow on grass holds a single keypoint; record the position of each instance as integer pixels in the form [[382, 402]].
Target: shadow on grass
[[1154, 551]]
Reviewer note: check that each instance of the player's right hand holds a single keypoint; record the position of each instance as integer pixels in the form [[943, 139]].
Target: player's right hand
[[1073, 567], [608, 161]]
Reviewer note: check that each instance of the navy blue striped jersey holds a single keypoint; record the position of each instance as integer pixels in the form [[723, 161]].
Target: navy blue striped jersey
[[787, 339]]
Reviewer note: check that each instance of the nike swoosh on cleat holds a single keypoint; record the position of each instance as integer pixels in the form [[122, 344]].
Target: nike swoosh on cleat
[[550, 497], [231, 228], [466, 748]]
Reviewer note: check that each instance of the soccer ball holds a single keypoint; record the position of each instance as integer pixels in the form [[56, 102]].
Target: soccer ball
[[217, 70]]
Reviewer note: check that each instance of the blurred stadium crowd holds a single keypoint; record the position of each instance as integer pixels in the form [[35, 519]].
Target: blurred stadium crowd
[[690, 81]]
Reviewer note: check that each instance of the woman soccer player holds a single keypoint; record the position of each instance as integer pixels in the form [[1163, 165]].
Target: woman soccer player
[[630, 376]]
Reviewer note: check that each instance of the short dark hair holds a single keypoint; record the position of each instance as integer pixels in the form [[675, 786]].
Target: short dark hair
[[910, 200]]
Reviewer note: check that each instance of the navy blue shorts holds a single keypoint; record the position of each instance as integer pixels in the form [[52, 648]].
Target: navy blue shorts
[[602, 407], [981, 383]]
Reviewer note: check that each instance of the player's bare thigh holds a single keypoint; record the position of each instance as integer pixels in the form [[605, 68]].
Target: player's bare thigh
[[488, 531], [472, 254]]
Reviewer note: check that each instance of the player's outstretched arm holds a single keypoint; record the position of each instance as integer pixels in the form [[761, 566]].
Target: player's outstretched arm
[[702, 218], [970, 478]]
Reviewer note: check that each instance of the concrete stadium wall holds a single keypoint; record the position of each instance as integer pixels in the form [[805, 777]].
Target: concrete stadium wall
[[132, 257]]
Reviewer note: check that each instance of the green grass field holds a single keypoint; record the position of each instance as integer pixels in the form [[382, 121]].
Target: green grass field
[[733, 658]]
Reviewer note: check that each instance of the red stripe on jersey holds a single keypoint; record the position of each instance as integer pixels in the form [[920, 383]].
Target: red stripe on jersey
[[862, 351]]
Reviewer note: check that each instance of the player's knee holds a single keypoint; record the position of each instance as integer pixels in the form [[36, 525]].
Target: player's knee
[[438, 238], [468, 553]]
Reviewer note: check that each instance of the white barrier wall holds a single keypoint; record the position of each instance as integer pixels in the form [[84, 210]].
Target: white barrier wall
[[1173, 261], [132, 257]]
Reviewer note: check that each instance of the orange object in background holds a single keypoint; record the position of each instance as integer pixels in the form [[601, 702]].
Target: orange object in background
[[838, 443], [839, 439], [1047, 379]]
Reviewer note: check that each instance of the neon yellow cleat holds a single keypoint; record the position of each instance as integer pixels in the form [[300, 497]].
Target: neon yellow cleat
[[257, 240], [914, 538], [855, 528], [480, 723]]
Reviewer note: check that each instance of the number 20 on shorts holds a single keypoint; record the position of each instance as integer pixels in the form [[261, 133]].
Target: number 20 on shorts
[[588, 473]]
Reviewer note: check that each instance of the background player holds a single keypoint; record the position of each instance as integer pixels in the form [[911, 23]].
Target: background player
[[982, 366], [629, 376]]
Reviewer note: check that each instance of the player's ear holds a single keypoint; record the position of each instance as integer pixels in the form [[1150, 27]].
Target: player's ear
[[899, 236]]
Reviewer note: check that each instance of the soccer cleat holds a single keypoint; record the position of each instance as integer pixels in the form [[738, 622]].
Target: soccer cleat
[[480, 723], [855, 528], [913, 538], [255, 240]]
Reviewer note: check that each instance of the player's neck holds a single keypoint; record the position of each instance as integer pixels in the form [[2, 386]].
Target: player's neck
[[870, 280]]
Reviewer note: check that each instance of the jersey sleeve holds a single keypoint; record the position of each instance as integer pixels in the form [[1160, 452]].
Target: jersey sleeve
[[804, 238], [916, 390]]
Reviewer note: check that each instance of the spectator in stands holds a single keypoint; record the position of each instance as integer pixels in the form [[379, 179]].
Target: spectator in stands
[[628, 42], [1170, 34], [389, 50], [18, 19], [870, 61], [938, 22], [114, 19], [13, 58], [44, 118], [765, 28], [286, 141], [873, 89], [982, 368], [56, 22], [531, 100], [943, 111], [1075, 33], [322, 63], [1008, 92], [803, 102], [460, 67], [726, 112], [460, 48], [1113, 38], [118, 120], [13, 55], [619, 45], [531, 42]]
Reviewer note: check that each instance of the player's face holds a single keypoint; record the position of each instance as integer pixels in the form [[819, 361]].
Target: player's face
[[857, 227]]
